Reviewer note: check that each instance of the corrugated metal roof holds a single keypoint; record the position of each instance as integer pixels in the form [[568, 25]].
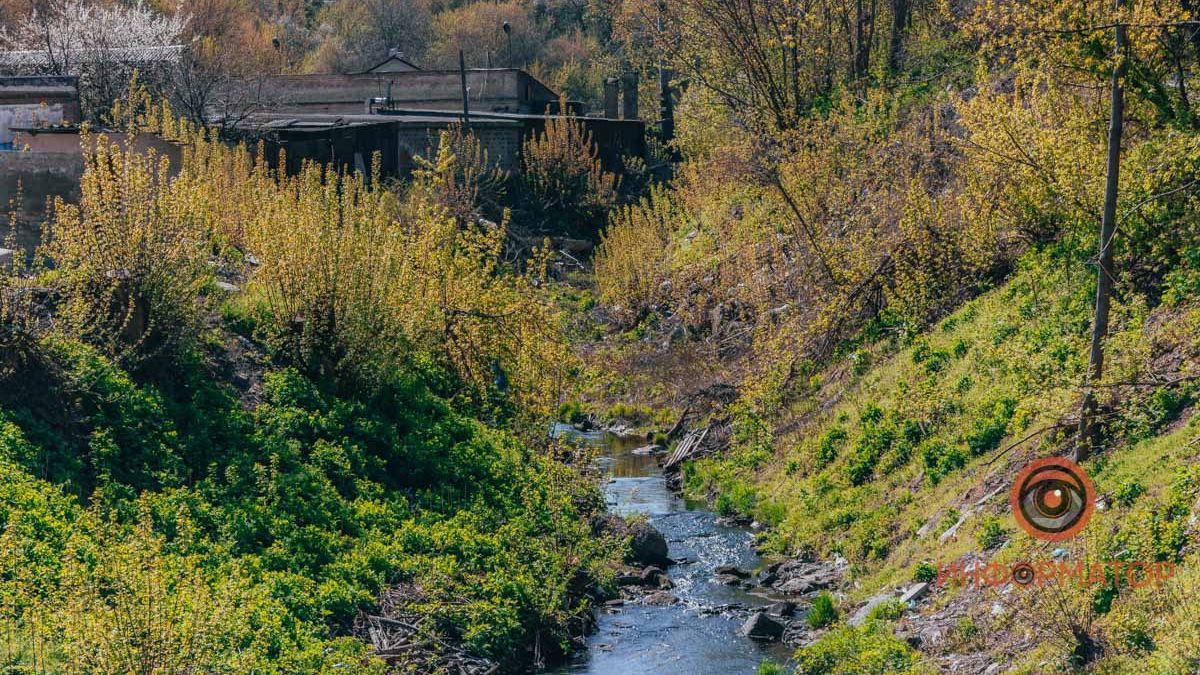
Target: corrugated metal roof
[[40, 58]]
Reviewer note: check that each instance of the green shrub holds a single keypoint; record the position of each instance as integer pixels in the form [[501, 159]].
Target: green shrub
[[1128, 492], [940, 460], [987, 431], [571, 412], [888, 610], [876, 439], [822, 613], [964, 632], [830, 444], [921, 352], [860, 361], [852, 650], [990, 532], [925, 572], [960, 348]]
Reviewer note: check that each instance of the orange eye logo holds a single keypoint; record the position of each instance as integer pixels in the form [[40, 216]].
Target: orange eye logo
[[1052, 499]]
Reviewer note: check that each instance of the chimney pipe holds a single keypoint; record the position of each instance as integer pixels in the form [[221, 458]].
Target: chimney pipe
[[611, 88], [462, 74], [630, 82]]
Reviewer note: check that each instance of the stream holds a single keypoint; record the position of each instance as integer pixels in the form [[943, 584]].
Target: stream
[[693, 636]]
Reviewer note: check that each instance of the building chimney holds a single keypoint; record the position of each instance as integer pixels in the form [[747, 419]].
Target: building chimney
[[611, 86], [630, 95]]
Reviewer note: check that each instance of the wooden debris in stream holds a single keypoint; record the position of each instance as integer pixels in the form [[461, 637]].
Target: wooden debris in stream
[[699, 442]]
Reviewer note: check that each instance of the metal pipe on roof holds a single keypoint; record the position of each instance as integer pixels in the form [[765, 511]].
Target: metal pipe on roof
[[462, 75]]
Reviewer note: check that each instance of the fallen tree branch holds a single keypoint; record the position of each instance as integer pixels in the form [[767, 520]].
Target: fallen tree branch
[[1038, 432]]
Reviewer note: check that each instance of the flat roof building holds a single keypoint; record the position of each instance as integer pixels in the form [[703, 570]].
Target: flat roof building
[[36, 102], [488, 90]]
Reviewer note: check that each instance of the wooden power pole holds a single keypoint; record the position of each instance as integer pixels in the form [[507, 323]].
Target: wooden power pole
[[1108, 226]]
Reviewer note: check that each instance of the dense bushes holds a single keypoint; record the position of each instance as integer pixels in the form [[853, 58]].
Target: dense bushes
[[562, 182], [315, 506], [228, 489], [846, 483], [635, 250]]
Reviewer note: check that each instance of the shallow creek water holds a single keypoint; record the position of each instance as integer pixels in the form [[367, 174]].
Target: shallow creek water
[[685, 637]]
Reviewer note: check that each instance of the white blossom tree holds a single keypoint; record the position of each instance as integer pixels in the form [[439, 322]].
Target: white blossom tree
[[101, 44]]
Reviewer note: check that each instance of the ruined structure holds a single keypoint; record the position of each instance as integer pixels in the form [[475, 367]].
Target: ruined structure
[[398, 110], [394, 109]]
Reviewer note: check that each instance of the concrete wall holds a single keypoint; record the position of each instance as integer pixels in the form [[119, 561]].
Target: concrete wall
[[52, 166], [400, 139], [67, 141], [350, 148], [398, 142], [38, 177], [27, 115], [36, 101]]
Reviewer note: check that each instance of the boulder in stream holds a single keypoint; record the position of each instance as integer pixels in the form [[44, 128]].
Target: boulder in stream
[[731, 570], [647, 546], [654, 577], [624, 580], [797, 577], [760, 626], [784, 609], [660, 598]]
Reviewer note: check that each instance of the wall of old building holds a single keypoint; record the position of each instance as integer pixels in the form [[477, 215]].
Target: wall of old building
[[36, 177], [502, 143], [495, 90], [36, 101]]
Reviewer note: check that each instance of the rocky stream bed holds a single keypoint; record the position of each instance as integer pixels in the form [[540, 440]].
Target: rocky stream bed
[[714, 607]]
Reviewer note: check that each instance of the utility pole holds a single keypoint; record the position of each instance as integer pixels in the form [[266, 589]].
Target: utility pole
[[1108, 226]]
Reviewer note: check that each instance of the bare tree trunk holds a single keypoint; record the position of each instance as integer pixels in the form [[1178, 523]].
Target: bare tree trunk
[[901, 13], [1104, 275], [861, 54]]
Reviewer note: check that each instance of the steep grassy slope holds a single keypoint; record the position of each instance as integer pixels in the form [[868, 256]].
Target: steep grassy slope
[[903, 438]]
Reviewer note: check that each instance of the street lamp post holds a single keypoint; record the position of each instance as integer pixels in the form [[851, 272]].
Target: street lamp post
[[508, 32]]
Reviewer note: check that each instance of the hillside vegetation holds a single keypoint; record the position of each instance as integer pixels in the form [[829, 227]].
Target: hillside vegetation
[[894, 263], [239, 409], [241, 412]]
